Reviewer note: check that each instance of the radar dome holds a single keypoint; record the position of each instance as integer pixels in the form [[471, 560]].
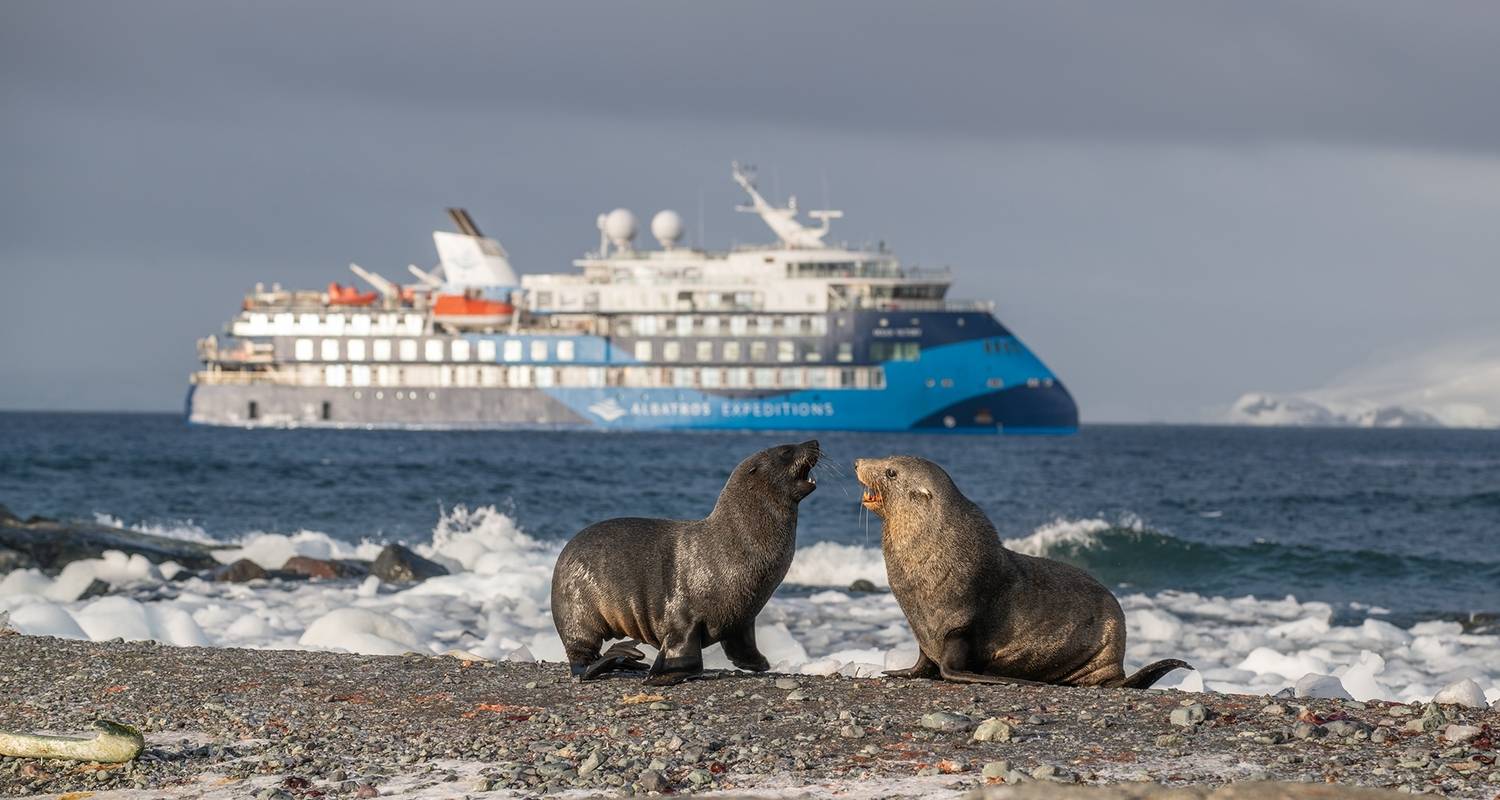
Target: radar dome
[[619, 226], [666, 226]]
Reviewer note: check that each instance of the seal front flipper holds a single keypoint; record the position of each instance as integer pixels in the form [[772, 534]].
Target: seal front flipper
[[955, 661], [739, 646], [677, 661], [620, 657], [924, 668]]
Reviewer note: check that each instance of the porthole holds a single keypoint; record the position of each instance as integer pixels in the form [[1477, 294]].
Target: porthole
[[949, 422], [432, 395], [400, 395], [380, 395]]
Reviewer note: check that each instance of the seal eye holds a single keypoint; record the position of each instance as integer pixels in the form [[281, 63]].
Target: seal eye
[[890, 472]]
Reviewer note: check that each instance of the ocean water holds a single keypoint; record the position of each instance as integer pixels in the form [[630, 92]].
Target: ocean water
[[1254, 552]]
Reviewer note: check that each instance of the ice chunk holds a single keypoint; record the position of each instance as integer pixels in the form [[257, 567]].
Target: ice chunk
[[46, 619], [1359, 679], [1324, 686], [1153, 625], [359, 630], [1463, 693]]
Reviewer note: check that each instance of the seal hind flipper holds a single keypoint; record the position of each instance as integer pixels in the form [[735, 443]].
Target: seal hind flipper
[[620, 657], [924, 668], [1144, 677]]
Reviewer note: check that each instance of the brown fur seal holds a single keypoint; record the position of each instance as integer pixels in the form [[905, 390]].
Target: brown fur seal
[[684, 585], [982, 613]]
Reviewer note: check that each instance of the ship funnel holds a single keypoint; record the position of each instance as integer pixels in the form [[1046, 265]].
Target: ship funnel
[[464, 222]]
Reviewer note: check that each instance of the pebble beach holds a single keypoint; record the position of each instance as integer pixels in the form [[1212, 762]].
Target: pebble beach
[[274, 724]]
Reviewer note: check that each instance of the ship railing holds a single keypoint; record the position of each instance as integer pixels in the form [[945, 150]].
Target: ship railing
[[918, 304], [234, 377]]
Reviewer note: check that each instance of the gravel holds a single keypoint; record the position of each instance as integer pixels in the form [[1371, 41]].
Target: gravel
[[307, 724]]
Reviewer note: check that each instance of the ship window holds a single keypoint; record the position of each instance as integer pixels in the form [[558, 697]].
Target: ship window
[[512, 349], [382, 350], [682, 378], [684, 325], [947, 383], [738, 326], [739, 377], [460, 349], [355, 349], [360, 324], [414, 324], [671, 351], [791, 377], [334, 375], [360, 376], [765, 325], [732, 351], [711, 325], [642, 351], [327, 410], [820, 378], [846, 378], [434, 349], [520, 376], [645, 326], [330, 349], [994, 383], [846, 351], [308, 323], [765, 377], [712, 378], [408, 350], [384, 376], [757, 351], [895, 351], [818, 326], [539, 350], [877, 378], [786, 351], [304, 350], [565, 350], [487, 350], [544, 376], [335, 324], [705, 351], [253, 412]]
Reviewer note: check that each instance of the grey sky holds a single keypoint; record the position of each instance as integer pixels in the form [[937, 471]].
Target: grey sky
[[1172, 202]]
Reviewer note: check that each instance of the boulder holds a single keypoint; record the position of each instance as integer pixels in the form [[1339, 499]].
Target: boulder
[[397, 564], [239, 572], [49, 545], [325, 569]]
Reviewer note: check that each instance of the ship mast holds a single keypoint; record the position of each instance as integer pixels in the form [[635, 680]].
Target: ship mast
[[782, 221]]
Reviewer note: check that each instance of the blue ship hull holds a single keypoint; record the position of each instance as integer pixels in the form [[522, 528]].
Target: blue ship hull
[[960, 372]]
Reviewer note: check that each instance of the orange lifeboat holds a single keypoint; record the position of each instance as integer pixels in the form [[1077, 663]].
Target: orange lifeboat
[[469, 310], [348, 296]]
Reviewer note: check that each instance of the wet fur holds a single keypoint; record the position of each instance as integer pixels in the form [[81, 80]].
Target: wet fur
[[981, 612], [682, 585]]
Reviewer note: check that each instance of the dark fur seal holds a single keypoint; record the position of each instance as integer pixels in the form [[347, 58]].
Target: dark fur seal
[[683, 585], [982, 613]]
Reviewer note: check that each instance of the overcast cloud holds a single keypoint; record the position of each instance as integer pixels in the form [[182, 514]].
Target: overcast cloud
[[1172, 203]]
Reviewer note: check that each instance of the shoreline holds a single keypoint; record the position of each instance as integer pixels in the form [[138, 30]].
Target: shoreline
[[291, 724]]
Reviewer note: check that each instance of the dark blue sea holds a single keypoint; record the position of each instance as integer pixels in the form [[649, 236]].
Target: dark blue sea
[[1404, 519]]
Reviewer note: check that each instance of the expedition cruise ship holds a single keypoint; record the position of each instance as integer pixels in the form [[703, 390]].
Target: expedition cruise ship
[[795, 335]]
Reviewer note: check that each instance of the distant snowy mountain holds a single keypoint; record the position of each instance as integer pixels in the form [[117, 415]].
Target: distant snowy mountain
[[1265, 409], [1457, 385]]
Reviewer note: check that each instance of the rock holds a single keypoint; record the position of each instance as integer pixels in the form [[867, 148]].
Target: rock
[[1307, 730], [14, 560], [50, 545], [1047, 772], [589, 764], [239, 572], [1380, 735], [995, 769], [946, 721], [786, 683], [662, 705], [852, 732], [1347, 727], [324, 569], [1462, 693], [796, 695], [1170, 740], [1189, 715], [1274, 709], [1461, 733], [862, 585], [993, 730], [96, 588], [1321, 686], [396, 564], [700, 777], [652, 781]]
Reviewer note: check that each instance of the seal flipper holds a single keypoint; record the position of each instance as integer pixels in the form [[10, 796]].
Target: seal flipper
[[1144, 677], [621, 656], [924, 668], [955, 658]]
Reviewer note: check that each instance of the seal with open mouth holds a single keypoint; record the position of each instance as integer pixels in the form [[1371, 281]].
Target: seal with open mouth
[[982, 613], [682, 585]]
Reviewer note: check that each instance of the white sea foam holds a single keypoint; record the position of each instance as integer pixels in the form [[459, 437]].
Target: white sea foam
[[496, 605]]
